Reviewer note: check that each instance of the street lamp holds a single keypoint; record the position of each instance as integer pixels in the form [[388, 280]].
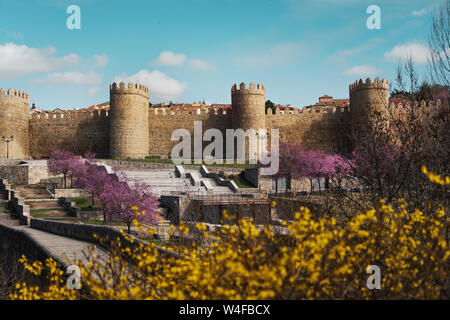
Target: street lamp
[[7, 145]]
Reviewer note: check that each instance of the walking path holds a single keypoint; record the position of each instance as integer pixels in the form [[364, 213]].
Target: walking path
[[65, 250]]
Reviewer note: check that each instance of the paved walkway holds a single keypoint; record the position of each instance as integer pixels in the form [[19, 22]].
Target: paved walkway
[[66, 250]]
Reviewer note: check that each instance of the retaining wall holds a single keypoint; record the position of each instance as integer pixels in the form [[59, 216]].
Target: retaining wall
[[85, 232]]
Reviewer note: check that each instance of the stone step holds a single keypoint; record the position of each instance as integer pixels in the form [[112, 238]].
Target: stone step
[[8, 220], [43, 205]]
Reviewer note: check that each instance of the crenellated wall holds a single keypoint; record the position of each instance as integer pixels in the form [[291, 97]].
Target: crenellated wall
[[14, 106], [366, 99], [129, 127], [132, 129], [163, 122], [313, 128], [249, 113], [78, 132]]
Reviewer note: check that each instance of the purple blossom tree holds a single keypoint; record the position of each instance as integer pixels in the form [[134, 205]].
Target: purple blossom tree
[[93, 179], [313, 164], [90, 156], [129, 203], [375, 162], [339, 168], [62, 162]]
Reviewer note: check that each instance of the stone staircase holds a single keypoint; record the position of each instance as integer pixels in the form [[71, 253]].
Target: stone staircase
[[38, 199], [166, 181], [162, 181], [65, 250], [211, 182], [6, 216]]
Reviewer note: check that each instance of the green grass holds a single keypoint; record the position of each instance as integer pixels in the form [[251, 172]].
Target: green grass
[[39, 213], [157, 159], [102, 223], [92, 221], [241, 182], [84, 203]]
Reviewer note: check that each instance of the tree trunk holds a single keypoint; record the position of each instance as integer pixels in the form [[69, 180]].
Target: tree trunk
[[129, 228], [276, 185], [92, 199], [65, 184]]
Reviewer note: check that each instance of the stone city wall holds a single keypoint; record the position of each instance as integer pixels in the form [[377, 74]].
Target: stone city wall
[[78, 132], [14, 106], [315, 128], [163, 122]]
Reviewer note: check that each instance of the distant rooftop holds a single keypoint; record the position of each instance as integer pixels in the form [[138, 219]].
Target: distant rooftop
[[329, 101]]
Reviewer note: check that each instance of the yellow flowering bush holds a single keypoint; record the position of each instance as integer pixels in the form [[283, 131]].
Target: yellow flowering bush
[[435, 178], [306, 259]]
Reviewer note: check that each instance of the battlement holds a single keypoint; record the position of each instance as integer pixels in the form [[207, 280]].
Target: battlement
[[131, 88], [310, 112], [190, 113], [252, 89], [429, 106], [376, 84], [75, 115], [17, 94]]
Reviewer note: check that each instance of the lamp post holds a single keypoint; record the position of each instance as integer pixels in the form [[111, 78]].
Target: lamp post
[[7, 145]]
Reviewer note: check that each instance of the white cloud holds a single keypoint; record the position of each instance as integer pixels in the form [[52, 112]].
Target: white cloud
[[17, 60], [417, 51], [93, 91], [75, 78], [201, 65], [364, 70], [168, 58], [279, 55], [101, 60], [417, 13], [160, 85]]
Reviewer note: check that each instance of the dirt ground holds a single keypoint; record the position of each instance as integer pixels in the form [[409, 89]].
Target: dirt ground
[[43, 205], [33, 192]]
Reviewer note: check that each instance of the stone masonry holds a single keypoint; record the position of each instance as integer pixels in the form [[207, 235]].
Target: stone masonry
[[129, 131], [133, 129]]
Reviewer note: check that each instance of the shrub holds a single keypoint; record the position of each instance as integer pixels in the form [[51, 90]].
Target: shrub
[[315, 259]]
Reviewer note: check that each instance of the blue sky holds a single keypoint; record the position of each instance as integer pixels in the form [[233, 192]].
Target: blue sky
[[190, 50]]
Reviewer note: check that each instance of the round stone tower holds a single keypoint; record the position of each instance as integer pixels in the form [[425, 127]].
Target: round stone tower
[[367, 98], [128, 126], [14, 116], [248, 112]]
